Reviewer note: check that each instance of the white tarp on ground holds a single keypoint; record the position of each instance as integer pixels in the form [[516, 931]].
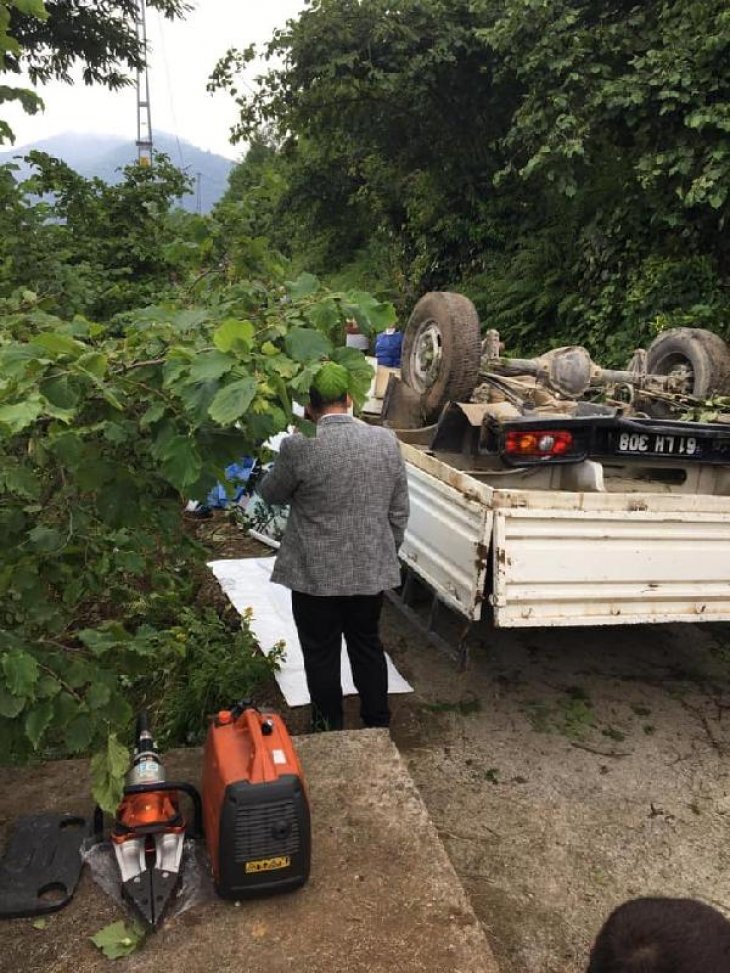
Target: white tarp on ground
[[247, 583]]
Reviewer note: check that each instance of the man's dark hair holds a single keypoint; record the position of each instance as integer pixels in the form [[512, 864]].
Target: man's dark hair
[[662, 936], [318, 402]]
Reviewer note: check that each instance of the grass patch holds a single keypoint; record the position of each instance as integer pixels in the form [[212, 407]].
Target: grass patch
[[464, 707], [539, 715], [613, 734], [576, 718], [571, 716]]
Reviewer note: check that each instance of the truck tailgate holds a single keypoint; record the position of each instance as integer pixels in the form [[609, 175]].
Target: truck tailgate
[[589, 566], [448, 537]]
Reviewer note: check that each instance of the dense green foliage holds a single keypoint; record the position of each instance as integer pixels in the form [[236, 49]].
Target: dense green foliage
[[113, 411], [91, 248], [566, 164]]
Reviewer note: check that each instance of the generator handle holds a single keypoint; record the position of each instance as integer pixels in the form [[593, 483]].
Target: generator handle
[[260, 763], [168, 785]]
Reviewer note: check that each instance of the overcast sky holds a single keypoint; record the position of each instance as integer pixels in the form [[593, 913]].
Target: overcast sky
[[182, 56]]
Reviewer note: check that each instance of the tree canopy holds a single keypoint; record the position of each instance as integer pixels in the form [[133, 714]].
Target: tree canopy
[[566, 164], [49, 39], [99, 36]]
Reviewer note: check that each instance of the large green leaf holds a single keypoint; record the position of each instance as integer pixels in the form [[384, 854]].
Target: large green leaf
[[304, 345], [15, 418], [210, 365], [360, 372], [332, 381], [47, 687], [58, 344], [197, 398], [45, 539], [79, 733], [78, 673], [234, 335], [119, 500], [16, 359], [117, 432], [21, 481], [304, 286], [10, 705], [21, 672], [104, 640], [119, 939], [232, 401], [371, 314], [153, 414], [324, 315], [176, 366], [181, 462], [70, 450], [33, 8], [66, 708], [60, 392], [37, 720], [108, 768], [93, 363], [98, 695]]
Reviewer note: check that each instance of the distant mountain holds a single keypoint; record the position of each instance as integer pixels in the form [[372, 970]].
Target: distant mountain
[[104, 155]]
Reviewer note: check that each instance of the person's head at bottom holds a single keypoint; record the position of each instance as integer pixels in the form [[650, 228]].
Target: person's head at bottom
[[662, 935]]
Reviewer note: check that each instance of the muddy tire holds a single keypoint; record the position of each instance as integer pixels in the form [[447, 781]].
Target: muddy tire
[[700, 358], [441, 351]]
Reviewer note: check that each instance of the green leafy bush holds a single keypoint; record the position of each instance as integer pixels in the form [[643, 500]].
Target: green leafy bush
[[106, 428], [215, 664]]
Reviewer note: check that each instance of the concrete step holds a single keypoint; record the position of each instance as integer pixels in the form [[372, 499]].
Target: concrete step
[[382, 896]]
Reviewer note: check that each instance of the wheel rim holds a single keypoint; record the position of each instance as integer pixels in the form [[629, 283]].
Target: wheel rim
[[426, 355]]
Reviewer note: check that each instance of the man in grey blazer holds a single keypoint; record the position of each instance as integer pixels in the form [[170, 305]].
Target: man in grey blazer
[[348, 499]]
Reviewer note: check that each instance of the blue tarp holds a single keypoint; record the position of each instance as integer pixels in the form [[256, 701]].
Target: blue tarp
[[238, 475]]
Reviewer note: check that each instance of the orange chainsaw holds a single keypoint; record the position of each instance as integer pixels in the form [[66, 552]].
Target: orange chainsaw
[[149, 830]]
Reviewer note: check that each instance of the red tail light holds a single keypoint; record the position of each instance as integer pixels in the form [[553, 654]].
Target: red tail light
[[540, 443]]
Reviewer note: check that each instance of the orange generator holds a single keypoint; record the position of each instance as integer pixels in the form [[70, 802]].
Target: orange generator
[[255, 808]]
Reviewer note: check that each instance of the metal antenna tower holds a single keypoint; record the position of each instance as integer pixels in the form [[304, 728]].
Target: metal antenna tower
[[144, 115]]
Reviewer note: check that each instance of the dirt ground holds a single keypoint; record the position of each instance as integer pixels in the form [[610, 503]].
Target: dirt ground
[[567, 771]]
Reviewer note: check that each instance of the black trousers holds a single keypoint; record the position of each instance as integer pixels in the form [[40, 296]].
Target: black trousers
[[321, 622]]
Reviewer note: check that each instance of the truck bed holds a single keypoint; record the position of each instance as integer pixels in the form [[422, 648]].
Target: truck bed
[[565, 557]]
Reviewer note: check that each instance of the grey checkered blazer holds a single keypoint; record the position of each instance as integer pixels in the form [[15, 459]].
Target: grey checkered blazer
[[348, 499]]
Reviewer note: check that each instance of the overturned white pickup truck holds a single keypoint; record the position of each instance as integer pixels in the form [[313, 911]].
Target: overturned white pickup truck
[[551, 492]]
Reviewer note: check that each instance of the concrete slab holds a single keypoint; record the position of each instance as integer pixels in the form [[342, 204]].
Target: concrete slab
[[382, 895]]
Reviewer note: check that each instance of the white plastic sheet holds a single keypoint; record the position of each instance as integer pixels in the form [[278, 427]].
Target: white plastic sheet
[[247, 583]]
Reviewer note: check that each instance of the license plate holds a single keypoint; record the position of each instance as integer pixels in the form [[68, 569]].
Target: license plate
[[658, 444]]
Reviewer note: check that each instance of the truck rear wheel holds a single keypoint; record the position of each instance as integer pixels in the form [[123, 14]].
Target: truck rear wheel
[[441, 350], [698, 359]]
